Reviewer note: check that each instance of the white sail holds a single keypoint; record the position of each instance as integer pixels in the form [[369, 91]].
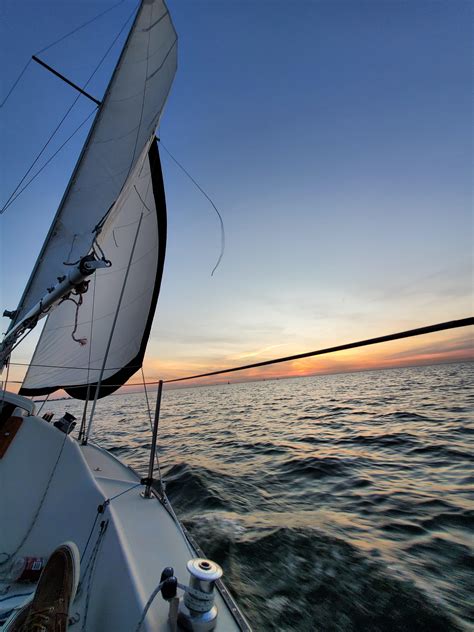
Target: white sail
[[111, 187], [75, 338]]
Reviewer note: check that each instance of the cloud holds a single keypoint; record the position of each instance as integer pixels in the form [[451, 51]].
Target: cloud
[[259, 352]]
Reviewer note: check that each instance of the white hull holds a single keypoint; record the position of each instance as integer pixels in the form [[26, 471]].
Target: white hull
[[120, 568]]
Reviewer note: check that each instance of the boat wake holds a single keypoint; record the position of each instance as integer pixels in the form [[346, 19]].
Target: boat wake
[[303, 579]]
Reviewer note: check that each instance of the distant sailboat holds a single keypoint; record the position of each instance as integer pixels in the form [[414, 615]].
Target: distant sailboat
[[96, 281]]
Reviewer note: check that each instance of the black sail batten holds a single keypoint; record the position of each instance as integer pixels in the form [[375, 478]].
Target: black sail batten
[[113, 382]]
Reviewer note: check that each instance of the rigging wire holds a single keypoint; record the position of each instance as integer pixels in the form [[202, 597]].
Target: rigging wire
[[15, 83], [5, 382], [453, 324], [11, 200], [64, 366], [82, 428], [208, 198], [147, 400], [157, 458], [63, 37], [42, 405], [10, 556], [14, 195], [351, 345], [78, 28]]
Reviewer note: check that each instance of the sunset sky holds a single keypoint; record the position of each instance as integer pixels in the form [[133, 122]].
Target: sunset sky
[[335, 139]]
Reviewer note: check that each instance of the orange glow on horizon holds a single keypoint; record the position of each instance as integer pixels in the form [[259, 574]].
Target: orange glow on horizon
[[443, 347], [437, 348]]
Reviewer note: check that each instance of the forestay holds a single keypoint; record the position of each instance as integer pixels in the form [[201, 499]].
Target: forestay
[[116, 185]]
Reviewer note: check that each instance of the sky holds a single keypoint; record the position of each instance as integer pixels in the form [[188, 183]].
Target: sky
[[334, 137]]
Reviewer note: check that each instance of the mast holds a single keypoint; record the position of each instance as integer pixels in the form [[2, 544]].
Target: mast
[[73, 175], [116, 180]]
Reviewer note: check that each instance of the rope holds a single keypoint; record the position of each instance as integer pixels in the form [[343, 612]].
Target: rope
[[109, 500], [147, 605], [36, 514], [100, 510], [92, 556], [91, 564], [78, 303], [194, 599], [209, 199], [90, 535]]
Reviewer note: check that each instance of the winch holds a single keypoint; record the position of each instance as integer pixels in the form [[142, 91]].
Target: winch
[[197, 612]]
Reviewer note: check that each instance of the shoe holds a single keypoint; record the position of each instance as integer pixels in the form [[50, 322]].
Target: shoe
[[49, 609]]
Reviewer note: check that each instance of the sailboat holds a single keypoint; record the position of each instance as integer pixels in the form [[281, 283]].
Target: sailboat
[[96, 283]]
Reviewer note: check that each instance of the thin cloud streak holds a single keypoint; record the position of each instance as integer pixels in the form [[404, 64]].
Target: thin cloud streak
[[260, 352]]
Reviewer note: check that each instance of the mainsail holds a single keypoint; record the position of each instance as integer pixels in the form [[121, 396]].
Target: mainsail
[[113, 204]]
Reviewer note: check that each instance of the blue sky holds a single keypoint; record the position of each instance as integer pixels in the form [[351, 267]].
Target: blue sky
[[335, 138]]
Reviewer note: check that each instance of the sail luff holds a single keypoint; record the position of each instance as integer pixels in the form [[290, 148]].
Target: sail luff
[[124, 123], [117, 177], [74, 172]]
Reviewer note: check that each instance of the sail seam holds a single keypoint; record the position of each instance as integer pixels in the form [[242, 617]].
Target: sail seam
[[149, 28], [73, 176], [164, 61], [113, 382], [14, 197], [142, 106]]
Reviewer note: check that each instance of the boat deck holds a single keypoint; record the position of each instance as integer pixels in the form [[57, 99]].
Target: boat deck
[[51, 489]]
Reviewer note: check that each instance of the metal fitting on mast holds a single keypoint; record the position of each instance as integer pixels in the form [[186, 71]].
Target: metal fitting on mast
[[54, 295]]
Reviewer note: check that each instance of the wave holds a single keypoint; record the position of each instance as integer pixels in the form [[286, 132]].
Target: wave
[[443, 451], [403, 439], [194, 488], [380, 460], [188, 488], [406, 415], [312, 467], [308, 580]]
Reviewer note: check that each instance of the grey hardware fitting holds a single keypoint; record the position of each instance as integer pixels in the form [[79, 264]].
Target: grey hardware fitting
[[197, 612]]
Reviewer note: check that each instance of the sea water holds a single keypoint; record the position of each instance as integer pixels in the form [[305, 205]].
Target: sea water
[[338, 502]]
